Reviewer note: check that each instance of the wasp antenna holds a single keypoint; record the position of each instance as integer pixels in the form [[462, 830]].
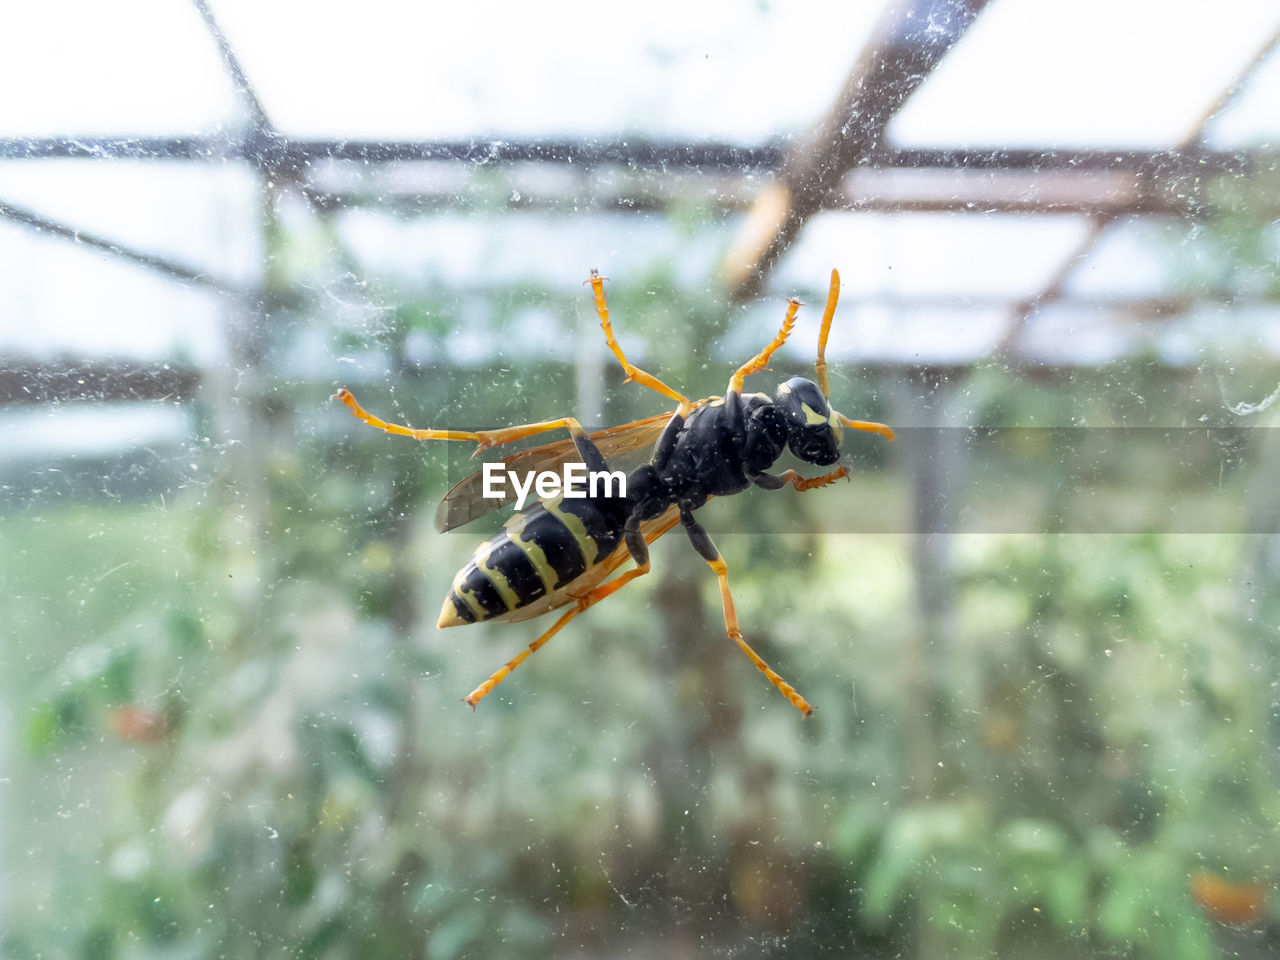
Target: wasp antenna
[[868, 426], [761, 360], [820, 367]]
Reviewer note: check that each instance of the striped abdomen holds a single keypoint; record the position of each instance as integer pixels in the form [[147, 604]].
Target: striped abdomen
[[537, 553]]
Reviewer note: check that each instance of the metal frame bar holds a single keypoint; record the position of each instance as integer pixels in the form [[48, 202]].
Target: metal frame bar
[[1053, 290], [63, 231], [262, 150]]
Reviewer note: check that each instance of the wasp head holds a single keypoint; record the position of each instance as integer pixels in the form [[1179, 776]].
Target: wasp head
[[814, 428]]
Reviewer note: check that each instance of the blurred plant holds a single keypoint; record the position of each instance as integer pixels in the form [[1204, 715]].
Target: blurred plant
[[243, 736]]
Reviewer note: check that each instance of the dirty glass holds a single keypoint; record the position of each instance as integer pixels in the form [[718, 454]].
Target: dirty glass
[[1039, 628]]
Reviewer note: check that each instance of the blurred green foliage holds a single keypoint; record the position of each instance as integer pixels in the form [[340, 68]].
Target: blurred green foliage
[[238, 733]]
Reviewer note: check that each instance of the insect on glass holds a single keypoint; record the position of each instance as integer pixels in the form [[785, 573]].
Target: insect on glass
[[562, 551]]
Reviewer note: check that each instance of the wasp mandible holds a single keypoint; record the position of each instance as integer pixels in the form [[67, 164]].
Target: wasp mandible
[[563, 550]]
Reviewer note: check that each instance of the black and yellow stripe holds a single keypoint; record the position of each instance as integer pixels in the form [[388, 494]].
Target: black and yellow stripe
[[540, 551]]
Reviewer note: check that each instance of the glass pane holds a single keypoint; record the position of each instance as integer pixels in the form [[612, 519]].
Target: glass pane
[[715, 71], [1098, 74], [75, 67], [1038, 626]]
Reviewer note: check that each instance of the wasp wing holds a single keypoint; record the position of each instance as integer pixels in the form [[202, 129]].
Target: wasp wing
[[465, 500]]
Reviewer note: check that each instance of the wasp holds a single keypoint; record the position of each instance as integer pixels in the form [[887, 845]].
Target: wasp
[[564, 551]]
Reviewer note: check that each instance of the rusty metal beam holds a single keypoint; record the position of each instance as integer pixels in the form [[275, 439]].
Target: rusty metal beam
[[163, 265], [231, 60], [865, 191], [910, 41], [641, 155], [1054, 289], [68, 379]]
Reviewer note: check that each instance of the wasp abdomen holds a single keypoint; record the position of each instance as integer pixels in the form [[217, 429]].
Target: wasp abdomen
[[539, 551]]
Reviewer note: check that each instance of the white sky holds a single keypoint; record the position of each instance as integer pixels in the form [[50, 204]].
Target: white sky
[[1031, 72], [1088, 73], [1065, 73]]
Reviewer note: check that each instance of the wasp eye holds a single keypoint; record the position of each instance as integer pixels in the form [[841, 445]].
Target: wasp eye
[[803, 402]]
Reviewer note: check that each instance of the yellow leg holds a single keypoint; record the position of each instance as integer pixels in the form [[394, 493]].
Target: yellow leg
[[809, 483], [820, 367], [485, 438], [587, 600], [761, 359], [731, 625], [634, 373]]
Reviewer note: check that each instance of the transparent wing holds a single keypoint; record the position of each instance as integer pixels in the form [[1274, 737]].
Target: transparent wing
[[465, 501]]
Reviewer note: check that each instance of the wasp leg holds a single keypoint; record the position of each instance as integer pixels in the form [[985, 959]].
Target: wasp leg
[[702, 543], [360, 413], [820, 367], [583, 603], [485, 438], [495, 438], [633, 372], [761, 359], [769, 482]]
